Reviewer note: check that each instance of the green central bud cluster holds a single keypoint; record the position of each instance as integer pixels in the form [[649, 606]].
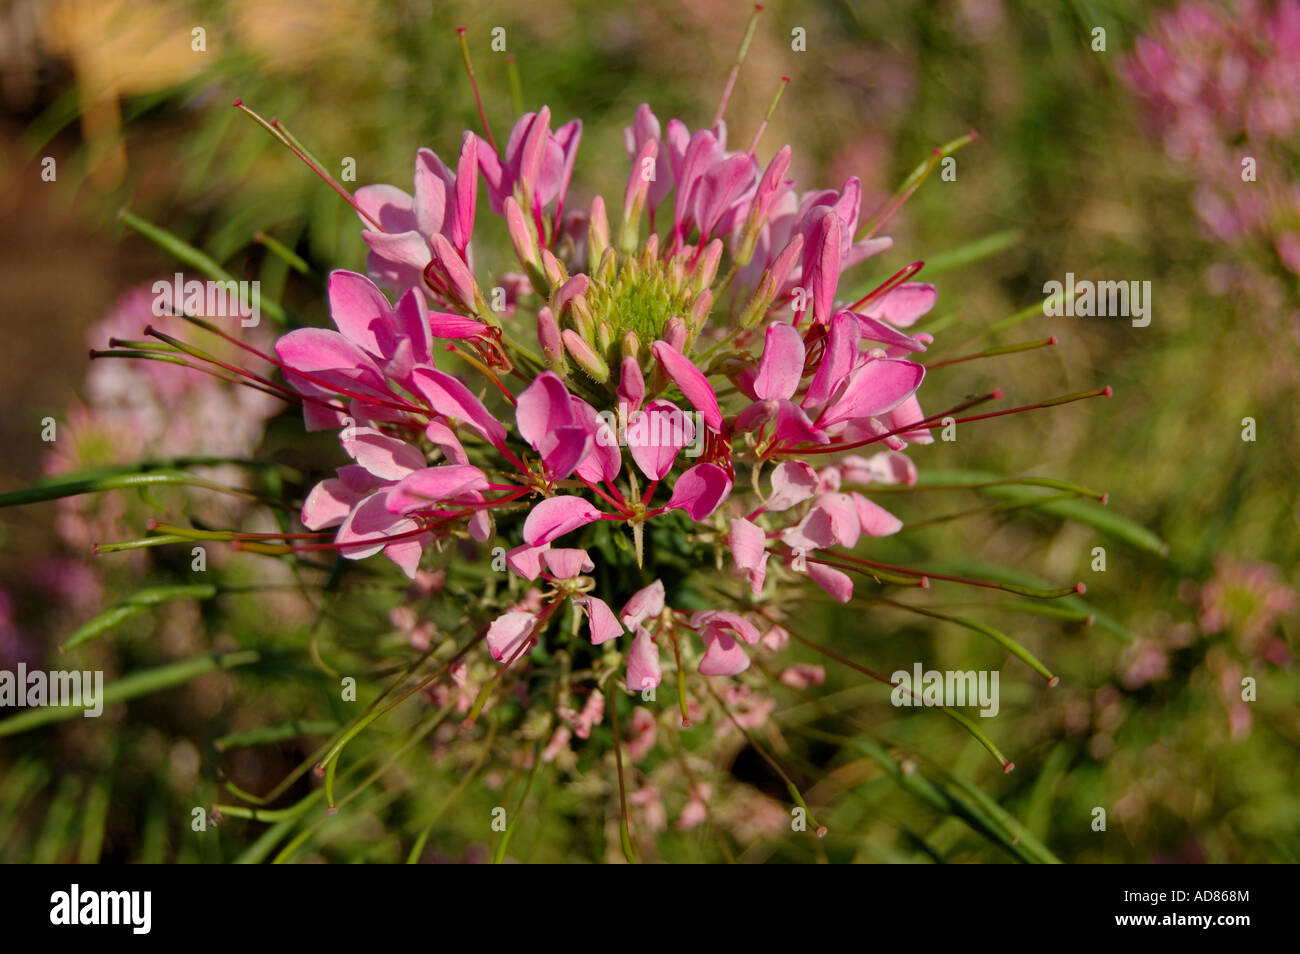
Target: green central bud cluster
[[639, 300], [628, 300]]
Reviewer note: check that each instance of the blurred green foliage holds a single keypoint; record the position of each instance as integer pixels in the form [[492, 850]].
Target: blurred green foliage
[[1064, 177]]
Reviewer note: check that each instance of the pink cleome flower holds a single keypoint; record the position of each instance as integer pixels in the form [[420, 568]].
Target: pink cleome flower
[[720, 343]]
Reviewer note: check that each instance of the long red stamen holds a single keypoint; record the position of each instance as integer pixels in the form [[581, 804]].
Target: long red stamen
[[284, 394], [216, 330], [994, 395], [620, 507], [994, 352], [290, 143], [902, 275], [351, 544], [400, 405], [473, 82], [762, 127], [1057, 593], [740, 60]]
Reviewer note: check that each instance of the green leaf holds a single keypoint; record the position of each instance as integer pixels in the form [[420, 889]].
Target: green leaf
[[189, 255], [264, 735], [136, 684], [1090, 514], [135, 604]]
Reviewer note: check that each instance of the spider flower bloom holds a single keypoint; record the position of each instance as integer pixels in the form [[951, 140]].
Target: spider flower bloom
[[1219, 88], [719, 343]]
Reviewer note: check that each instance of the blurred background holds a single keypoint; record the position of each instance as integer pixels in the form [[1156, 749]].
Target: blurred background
[[1099, 153]]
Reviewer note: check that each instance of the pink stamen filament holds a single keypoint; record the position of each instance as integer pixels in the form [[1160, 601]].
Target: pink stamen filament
[[902, 275], [994, 352], [273, 127], [473, 82], [746, 39], [834, 448]]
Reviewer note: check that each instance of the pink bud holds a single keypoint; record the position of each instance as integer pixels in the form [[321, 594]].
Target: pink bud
[[552, 268], [708, 266], [675, 334], [548, 336], [521, 234], [597, 230], [460, 278], [784, 262], [638, 185], [462, 222], [585, 356]]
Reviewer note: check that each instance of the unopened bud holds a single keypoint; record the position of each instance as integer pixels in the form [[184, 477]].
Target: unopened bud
[[521, 234], [674, 333], [708, 266], [631, 346], [585, 356], [548, 336], [552, 269], [700, 309], [638, 185], [597, 231]]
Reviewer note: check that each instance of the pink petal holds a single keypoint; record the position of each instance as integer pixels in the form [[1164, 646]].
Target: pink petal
[[507, 634], [643, 670], [366, 528], [692, 382], [802, 675], [843, 514], [748, 543], [874, 519], [905, 304], [397, 259], [836, 584], [907, 414], [656, 435], [837, 360], [565, 564], [724, 620], [700, 490], [424, 488], [782, 364], [878, 386], [646, 603], [526, 561], [793, 482], [601, 619], [450, 398], [814, 532], [328, 504], [387, 205], [723, 656], [406, 554], [314, 350], [749, 550], [604, 460], [794, 426], [443, 324], [384, 456], [556, 516], [563, 448], [411, 320], [886, 467], [631, 386], [543, 406], [358, 308], [821, 265], [433, 180], [447, 441], [462, 222], [876, 330]]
